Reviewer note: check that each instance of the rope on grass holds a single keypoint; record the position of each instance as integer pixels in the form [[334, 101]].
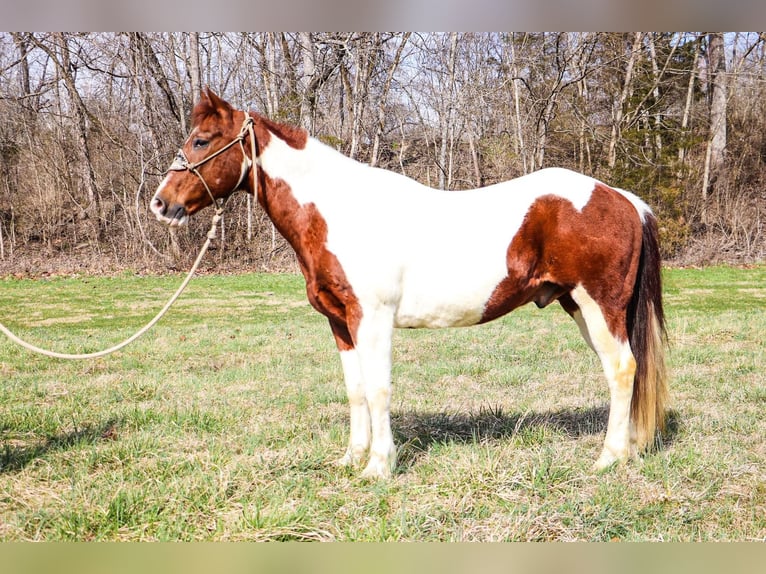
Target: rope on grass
[[75, 356]]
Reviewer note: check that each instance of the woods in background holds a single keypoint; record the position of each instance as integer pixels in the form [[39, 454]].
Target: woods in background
[[90, 122]]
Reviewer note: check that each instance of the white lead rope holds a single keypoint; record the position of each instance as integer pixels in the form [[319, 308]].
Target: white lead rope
[[56, 355]]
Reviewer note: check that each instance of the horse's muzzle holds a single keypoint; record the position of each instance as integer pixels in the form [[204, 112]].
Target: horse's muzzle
[[173, 215]]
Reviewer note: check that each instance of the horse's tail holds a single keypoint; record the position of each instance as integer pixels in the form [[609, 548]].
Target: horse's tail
[[648, 338]]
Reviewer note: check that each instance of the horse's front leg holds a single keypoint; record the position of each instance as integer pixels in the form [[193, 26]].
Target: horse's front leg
[[359, 415], [373, 346]]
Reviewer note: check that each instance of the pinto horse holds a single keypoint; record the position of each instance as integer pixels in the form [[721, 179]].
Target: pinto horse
[[379, 250]]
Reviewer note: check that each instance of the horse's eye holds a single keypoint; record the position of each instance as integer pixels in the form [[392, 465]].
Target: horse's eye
[[199, 143]]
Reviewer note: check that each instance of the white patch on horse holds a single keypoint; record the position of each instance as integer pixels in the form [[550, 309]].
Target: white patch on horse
[[162, 185], [154, 207]]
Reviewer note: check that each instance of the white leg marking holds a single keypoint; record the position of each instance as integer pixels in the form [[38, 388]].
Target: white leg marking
[[359, 438], [619, 368], [374, 349]]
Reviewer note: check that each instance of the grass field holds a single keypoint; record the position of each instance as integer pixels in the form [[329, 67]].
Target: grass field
[[222, 422]]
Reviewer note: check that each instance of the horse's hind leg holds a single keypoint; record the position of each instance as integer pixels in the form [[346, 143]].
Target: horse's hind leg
[[359, 415], [619, 367]]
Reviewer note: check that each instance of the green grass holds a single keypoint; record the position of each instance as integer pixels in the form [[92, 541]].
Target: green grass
[[222, 423]]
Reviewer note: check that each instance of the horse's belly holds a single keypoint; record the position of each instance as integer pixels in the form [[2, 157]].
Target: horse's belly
[[428, 301], [434, 316]]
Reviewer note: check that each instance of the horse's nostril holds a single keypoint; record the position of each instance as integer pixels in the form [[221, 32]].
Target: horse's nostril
[[158, 206]]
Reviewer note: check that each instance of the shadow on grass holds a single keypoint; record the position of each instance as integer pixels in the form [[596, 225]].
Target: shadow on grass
[[416, 432], [17, 454]]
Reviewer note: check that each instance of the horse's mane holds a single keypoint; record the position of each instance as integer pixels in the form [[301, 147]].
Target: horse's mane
[[293, 136]]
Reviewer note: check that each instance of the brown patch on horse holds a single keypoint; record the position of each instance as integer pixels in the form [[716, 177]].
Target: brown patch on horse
[[558, 247], [327, 287], [295, 137]]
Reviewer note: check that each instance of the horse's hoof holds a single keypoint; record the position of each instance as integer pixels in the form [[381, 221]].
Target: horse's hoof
[[377, 469], [607, 460], [600, 467], [351, 458]]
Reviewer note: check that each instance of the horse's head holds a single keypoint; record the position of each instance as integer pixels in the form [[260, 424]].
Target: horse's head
[[211, 164]]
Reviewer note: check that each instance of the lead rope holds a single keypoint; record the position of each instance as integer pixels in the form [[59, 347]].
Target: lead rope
[[73, 356]]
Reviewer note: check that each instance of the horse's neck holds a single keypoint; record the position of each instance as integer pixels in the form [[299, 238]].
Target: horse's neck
[[307, 162], [289, 178]]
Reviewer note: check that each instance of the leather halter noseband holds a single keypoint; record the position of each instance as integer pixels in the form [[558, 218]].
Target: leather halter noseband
[[181, 163]]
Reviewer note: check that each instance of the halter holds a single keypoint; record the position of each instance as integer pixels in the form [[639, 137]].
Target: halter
[[181, 163]]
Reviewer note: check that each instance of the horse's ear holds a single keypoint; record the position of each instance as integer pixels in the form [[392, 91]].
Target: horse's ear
[[219, 104], [210, 104]]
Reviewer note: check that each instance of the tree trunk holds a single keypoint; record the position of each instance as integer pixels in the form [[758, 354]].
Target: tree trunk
[[447, 112], [365, 56], [474, 159], [269, 73], [148, 58], [542, 132], [521, 148], [194, 67], [22, 44], [583, 96], [718, 106], [688, 103], [309, 72], [656, 95]]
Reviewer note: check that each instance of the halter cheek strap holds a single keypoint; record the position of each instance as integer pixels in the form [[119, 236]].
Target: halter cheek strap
[[181, 163]]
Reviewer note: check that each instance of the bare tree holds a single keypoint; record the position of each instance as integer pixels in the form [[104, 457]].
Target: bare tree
[[308, 81], [381, 119], [193, 63], [270, 74], [682, 149], [146, 57], [446, 115], [59, 52], [716, 146], [618, 108], [357, 78], [516, 80]]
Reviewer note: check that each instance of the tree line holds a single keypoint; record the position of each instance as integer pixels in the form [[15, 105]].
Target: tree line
[[90, 121]]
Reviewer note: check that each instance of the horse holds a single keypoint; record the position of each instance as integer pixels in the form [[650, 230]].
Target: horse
[[379, 251]]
